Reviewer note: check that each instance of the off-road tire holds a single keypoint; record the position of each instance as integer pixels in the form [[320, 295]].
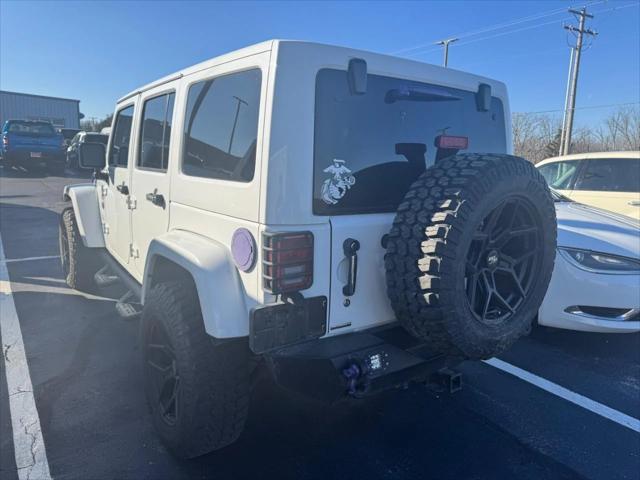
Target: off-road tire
[[79, 263], [213, 394], [431, 236]]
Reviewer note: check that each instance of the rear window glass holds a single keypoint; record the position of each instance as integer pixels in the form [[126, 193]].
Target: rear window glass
[[221, 127], [610, 175], [96, 138], [370, 148], [31, 128]]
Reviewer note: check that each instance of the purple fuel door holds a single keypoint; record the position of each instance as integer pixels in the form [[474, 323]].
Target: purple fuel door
[[243, 249]]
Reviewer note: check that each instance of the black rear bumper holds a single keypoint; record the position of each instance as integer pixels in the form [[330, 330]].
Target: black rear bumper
[[356, 364], [23, 157]]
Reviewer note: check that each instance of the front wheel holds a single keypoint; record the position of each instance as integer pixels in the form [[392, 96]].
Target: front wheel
[[79, 263], [198, 391]]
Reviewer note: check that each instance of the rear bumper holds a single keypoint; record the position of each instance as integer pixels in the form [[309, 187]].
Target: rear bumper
[[24, 156], [356, 364]]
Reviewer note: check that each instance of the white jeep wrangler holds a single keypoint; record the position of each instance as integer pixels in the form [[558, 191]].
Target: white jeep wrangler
[[316, 208]]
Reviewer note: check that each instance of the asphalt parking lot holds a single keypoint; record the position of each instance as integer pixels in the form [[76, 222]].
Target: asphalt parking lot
[[83, 363]]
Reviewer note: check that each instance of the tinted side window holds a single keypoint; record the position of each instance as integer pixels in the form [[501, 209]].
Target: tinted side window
[[611, 175], [221, 127], [560, 175], [119, 152], [156, 132]]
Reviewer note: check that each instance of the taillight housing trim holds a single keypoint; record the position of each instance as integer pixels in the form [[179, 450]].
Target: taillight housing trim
[[287, 261]]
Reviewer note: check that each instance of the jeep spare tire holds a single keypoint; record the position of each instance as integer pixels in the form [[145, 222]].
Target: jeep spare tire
[[471, 252]]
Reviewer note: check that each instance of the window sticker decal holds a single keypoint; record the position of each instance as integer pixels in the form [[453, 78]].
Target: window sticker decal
[[341, 180]]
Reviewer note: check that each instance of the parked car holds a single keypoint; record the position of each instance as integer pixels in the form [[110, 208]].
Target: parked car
[[252, 229], [595, 285], [79, 139], [608, 180], [68, 134], [32, 143]]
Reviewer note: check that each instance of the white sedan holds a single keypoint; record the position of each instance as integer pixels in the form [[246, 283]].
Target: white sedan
[[595, 286]]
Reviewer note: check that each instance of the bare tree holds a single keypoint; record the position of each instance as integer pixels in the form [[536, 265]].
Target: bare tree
[[536, 136]]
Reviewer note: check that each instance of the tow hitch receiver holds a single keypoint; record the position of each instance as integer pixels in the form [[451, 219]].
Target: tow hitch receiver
[[449, 379]]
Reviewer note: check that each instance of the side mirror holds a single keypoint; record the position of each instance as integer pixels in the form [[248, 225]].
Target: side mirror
[[91, 156]]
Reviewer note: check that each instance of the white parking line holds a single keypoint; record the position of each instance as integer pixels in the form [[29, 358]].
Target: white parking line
[[28, 259], [28, 444], [573, 397]]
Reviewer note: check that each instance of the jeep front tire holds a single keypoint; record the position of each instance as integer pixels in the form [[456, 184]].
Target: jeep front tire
[[79, 263], [197, 388], [471, 252]]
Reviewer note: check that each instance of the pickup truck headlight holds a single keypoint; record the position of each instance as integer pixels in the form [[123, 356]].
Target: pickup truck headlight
[[600, 262]]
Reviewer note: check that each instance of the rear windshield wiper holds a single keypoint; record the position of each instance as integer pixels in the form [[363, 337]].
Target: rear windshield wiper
[[419, 94]]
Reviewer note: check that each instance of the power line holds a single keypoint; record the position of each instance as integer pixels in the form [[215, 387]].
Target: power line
[[508, 32], [609, 105], [488, 29]]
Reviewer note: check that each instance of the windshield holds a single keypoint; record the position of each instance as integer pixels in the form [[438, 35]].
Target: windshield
[[370, 148], [31, 128]]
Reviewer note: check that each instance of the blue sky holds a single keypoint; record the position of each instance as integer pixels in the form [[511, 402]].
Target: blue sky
[[97, 51]]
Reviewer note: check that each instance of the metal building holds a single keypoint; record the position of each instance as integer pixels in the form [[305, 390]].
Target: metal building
[[61, 112]]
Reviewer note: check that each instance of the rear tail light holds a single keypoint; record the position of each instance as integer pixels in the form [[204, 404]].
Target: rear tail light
[[5, 141], [287, 261], [452, 142]]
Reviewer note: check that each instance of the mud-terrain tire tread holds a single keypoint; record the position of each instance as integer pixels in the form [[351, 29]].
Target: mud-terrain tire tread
[[430, 225], [215, 383], [83, 263]]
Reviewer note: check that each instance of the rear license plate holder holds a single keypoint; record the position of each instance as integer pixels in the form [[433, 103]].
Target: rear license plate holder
[[36, 155], [276, 326]]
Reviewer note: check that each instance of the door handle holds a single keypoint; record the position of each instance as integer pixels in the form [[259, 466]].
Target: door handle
[[350, 247], [156, 198], [123, 189], [634, 203]]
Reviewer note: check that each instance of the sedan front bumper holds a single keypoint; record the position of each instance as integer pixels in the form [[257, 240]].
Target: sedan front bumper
[[591, 302]]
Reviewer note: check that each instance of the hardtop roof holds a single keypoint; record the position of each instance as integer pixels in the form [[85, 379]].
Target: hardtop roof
[[273, 45]]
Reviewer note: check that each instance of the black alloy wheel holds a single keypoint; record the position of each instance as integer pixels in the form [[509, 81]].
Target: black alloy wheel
[[161, 365], [502, 261]]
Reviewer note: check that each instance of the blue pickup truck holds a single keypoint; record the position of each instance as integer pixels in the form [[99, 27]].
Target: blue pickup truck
[[31, 144]]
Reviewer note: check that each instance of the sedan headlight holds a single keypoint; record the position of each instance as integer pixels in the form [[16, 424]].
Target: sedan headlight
[[600, 262]]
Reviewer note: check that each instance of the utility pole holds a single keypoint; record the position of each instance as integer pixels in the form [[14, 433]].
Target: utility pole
[[574, 69], [445, 43], [235, 120]]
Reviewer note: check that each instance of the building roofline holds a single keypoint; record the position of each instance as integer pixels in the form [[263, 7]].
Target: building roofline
[[39, 96]]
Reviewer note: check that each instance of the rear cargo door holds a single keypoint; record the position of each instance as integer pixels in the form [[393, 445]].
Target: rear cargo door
[[358, 291], [368, 149]]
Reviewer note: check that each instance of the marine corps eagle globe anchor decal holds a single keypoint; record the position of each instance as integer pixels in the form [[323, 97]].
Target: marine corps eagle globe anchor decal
[[334, 188]]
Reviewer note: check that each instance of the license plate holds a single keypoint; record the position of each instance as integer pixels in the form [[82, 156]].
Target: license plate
[[36, 154]]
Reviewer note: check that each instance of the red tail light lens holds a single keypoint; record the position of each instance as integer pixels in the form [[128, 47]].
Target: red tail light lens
[[287, 261], [452, 142], [5, 141]]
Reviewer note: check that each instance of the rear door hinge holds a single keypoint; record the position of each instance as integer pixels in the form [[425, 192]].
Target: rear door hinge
[[132, 203], [103, 190], [105, 228], [133, 251]]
